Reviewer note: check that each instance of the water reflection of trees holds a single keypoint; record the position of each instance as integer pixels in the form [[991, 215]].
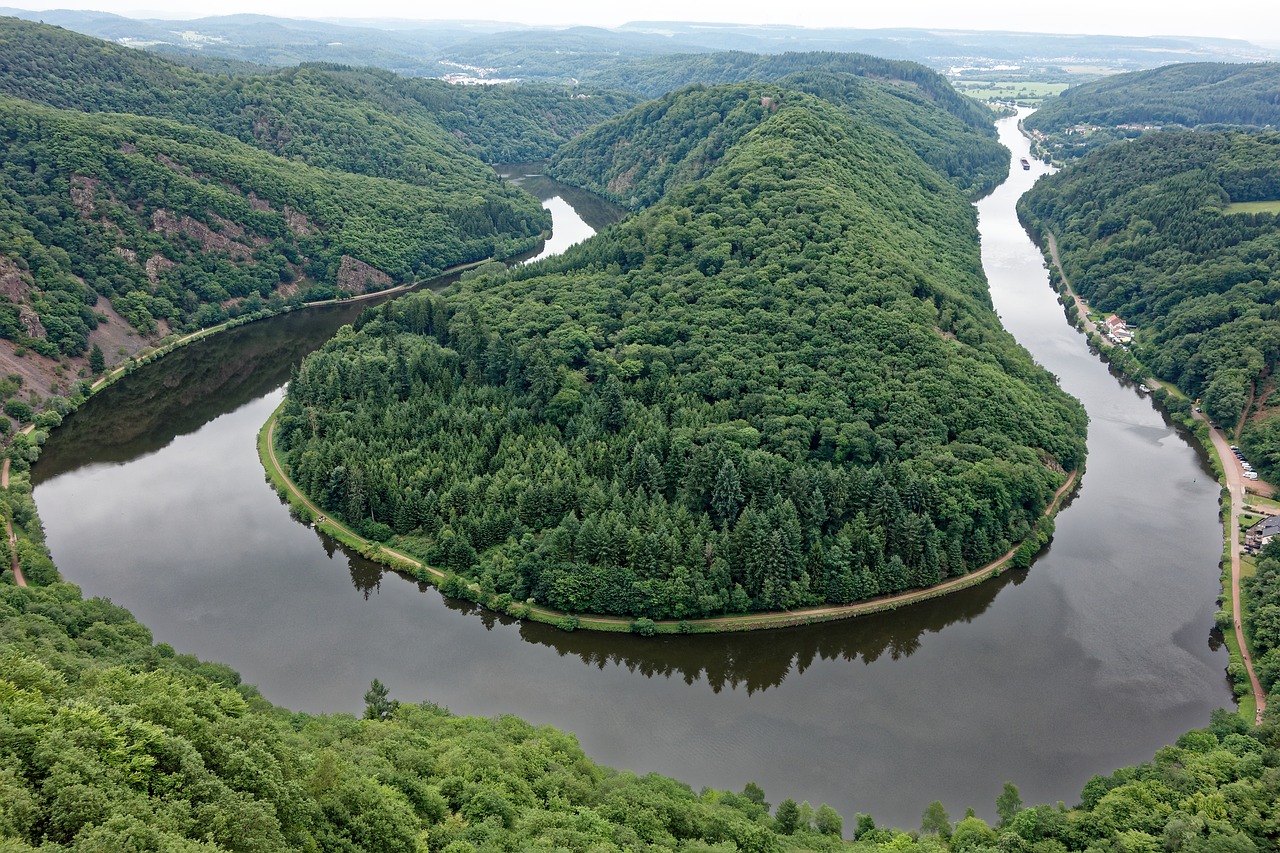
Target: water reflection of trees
[[178, 394], [751, 660], [597, 212]]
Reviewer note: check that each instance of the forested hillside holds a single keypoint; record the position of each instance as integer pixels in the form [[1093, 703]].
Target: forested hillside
[[1185, 95], [1147, 230], [783, 384], [181, 226], [225, 195], [950, 132], [108, 742], [359, 120], [637, 158]]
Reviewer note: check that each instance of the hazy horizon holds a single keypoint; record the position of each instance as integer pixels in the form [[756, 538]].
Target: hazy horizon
[[1246, 20]]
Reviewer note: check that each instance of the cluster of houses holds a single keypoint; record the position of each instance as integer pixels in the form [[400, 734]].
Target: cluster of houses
[[1256, 537], [1116, 330]]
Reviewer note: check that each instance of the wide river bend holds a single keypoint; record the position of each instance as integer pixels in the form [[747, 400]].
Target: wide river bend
[[152, 495]]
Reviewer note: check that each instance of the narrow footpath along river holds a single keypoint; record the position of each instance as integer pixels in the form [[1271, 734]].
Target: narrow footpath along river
[[153, 495]]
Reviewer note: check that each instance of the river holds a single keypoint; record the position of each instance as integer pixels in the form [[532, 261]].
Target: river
[[152, 495]]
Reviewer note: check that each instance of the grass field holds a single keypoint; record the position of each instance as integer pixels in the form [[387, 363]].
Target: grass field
[[1254, 207]]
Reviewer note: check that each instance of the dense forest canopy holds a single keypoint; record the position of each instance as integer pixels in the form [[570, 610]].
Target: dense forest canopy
[[952, 133], [637, 158], [111, 742], [1145, 231], [1189, 95], [782, 384]]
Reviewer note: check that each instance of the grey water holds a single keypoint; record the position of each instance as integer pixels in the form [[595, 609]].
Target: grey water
[[152, 495]]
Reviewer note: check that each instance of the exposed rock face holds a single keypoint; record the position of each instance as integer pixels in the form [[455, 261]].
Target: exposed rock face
[[14, 283], [357, 277], [167, 223], [84, 190], [128, 254], [623, 182], [31, 322], [298, 222], [156, 264]]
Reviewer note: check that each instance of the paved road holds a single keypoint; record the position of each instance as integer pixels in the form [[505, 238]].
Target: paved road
[[1236, 487]]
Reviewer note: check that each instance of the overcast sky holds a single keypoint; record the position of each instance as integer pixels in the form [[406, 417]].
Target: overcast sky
[[1254, 20]]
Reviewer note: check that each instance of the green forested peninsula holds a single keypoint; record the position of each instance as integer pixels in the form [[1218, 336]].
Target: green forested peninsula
[[781, 385], [950, 132], [1147, 230], [182, 225], [1189, 95]]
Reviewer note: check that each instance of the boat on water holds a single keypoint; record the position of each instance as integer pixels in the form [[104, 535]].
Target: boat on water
[[1026, 164]]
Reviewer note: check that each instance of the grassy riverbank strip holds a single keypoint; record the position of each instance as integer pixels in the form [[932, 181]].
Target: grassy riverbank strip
[[302, 508], [1180, 409]]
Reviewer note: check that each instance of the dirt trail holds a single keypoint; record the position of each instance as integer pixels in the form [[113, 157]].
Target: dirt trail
[[8, 525], [775, 619]]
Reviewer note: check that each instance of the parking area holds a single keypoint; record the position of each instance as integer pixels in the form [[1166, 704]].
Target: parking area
[[1249, 473]]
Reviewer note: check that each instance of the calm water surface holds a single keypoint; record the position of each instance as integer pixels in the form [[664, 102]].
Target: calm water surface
[[153, 496]]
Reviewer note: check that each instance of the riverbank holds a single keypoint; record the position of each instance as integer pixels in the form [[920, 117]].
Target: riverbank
[[23, 447], [164, 347], [455, 586], [1250, 696]]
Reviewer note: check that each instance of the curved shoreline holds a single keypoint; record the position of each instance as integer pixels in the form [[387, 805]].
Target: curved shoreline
[[162, 348], [404, 564]]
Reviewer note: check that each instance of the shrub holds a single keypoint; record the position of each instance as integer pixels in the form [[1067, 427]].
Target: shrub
[[644, 626]]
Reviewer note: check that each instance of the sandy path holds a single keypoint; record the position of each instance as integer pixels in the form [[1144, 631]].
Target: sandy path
[[13, 538]]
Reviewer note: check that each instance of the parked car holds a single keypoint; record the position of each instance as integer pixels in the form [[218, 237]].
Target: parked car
[[1251, 475]]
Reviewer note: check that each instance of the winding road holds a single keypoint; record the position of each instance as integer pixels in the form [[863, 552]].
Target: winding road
[[1236, 487]]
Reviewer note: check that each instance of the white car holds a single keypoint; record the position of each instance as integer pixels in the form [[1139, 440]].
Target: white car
[[1251, 475]]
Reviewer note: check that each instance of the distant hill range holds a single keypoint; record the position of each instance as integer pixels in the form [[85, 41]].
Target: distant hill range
[[1190, 95], [494, 50]]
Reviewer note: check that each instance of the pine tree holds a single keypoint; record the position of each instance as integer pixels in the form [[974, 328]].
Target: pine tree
[[97, 361]]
